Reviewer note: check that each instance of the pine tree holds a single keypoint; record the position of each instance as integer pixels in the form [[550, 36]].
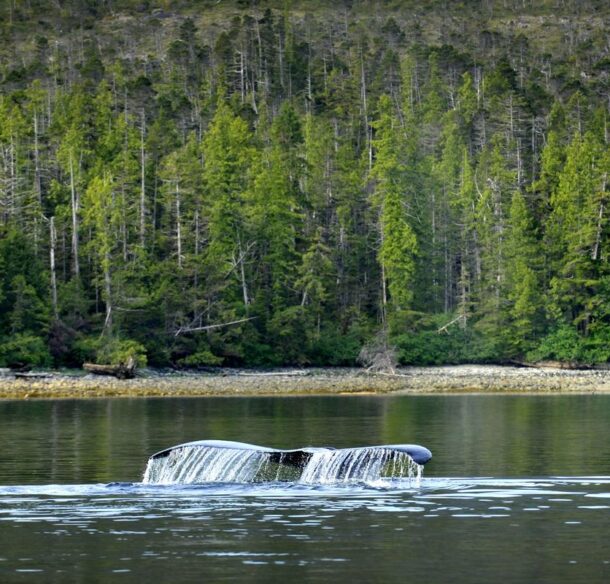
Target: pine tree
[[228, 157], [72, 125], [492, 213], [101, 213], [524, 301], [315, 274], [398, 245], [578, 230]]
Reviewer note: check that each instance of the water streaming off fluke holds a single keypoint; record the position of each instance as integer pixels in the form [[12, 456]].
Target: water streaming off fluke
[[209, 461]]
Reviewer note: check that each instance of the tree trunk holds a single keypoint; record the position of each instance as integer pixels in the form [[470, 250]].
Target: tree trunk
[[124, 222], [600, 224], [74, 204], [143, 185], [196, 274], [52, 244], [108, 293], [384, 295], [365, 113], [37, 179], [242, 273], [123, 371], [178, 227]]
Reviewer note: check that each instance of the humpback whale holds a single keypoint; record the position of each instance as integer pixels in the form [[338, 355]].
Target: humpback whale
[[222, 460]]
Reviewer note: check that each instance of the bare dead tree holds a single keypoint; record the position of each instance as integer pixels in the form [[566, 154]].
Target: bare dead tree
[[378, 355]]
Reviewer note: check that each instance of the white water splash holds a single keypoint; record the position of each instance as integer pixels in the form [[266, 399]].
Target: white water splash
[[359, 464], [189, 465], [208, 464]]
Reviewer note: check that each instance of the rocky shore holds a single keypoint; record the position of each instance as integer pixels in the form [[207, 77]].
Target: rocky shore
[[412, 380]]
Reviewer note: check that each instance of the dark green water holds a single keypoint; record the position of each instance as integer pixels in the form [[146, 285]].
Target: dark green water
[[518, 491]]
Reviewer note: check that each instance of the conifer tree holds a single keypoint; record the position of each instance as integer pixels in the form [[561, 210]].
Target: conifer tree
[[492, 211], [524, 301], [72, 153], [228, 156], [101, 214], [398, 244], [578, 229]]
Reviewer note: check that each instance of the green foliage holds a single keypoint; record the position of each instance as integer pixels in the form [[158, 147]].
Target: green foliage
[[288, 329], [73, 303], [565, 344], [524, 305], [23, 306], [84, 350], [63, 345], [314, 274], [596, 346], [453, 345], [430, 348], [23, 349], [398, 241], [111, 351], [29, 312], [398, 247], [561, 344], [333, 348], [259, 354], [578, 229], [282, 195], [200, 359]]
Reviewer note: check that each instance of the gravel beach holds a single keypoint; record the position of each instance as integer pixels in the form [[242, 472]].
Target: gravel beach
[[411, 380]]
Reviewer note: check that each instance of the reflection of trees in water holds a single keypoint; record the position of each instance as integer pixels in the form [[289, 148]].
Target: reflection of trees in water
[[72, 441]]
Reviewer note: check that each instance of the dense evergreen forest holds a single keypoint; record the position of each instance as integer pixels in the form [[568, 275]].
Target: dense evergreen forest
[[201, 182]]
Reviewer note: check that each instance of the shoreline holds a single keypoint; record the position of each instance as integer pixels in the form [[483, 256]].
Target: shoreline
[[447, 379]]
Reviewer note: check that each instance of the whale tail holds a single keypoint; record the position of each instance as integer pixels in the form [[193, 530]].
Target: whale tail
[[223, 461]]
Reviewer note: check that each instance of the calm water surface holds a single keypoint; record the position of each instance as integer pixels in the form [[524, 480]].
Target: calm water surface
[[518, 491]]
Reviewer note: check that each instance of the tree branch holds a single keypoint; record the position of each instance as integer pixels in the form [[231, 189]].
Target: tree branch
[[183, 330], [444, 328]]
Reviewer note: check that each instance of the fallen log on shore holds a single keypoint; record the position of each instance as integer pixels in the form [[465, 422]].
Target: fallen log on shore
[[29, 375], [566, 365], [121, 371], [271, 373]]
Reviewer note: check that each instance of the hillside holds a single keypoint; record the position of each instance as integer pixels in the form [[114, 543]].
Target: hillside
[[265, 183]]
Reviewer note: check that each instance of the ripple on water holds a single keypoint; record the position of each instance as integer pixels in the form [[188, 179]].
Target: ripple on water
[[134, 527], [304, 505]]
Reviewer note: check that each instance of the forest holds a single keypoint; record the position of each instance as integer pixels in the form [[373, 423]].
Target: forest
[[255, 183]]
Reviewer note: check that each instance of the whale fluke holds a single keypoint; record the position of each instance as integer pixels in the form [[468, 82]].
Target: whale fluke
[[221, 460], [298, 456]]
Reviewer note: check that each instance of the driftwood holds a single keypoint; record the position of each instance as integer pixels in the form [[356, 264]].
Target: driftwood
[[566, 365], [559, 365], [272, 373], [121, 371], [387, 374], [20, 367], [28, 375]]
